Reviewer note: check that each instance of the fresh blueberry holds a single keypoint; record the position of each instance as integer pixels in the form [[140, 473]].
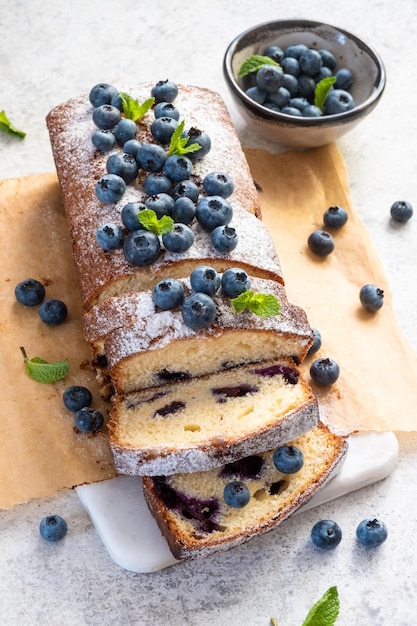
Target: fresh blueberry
[[289, 110], [256, 94], [288, 459], [88, 420], [201, 138], [106, 116], [178, 167], [290, 65], [310, 62], [280, 98], [335, 217], [157, 182], [164, 91], [311, 110], [326, 534], [109, 236], [124, 131], [151, 157], [236, 494], [274, 52], [29, 292], [198, 311], [306, 86], [325, 72], [168, 293], [328, 59], [218, 184], [186, 188], [269, 78], [110, 188], [117, 101], [321, 243], [299, 103], [234, 282], [53, 312], [371, 297], [129, 215], [371, 532], [131, 146], [295, 50], [316, 345], [344, 78], [213, 211], [338, 101], [401, 211], [53, 528], [141, 248], [161, 203], [103, 140], [205, 279], [290, 83], [224, 239], [183, 210], [324, 371], [77, 397], [162, 128], [123, 165], [179, 239], [271, 106], [166, 109], [102, 94]]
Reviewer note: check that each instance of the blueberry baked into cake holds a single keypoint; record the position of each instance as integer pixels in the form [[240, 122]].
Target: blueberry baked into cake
[[191, 332]]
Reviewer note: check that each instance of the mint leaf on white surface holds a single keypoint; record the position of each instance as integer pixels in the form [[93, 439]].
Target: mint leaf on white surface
[[325, 611], [150, 222], [262, 304], [43, 372], [133, 109], [7, 126]]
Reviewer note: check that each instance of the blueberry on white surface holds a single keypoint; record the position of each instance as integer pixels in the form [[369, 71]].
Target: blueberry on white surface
[[213, 211], [131, 146], [371, 297], [168, 293], [29, 292], [124, 131], [186, 189], [316, 345], [371, 532], [109, 236], [161, 203], [218, 184], [103, 140], [88, 420], [157, 182], [326, 534], [151, 157], [205, 279], [124, 165], [234, 282], [198, 311], [166, 109], [288, 459], [224, 239], [141, 248], [129, 215], [178, 167], [53, 527], [164, 91], [77, 397], [321, 243], [183, 210], [162, 129], [335, 217], [201, 138], [324, 371], [236, 494], [53, 312], [102, 93], [110, 188], [401, 211], [179, 239], [106, 116]]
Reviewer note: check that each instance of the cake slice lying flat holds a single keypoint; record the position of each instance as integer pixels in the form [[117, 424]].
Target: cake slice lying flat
[[201, 423], [194, 518], [138, 345]]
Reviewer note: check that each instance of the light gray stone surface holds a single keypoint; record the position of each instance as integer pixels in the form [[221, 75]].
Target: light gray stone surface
[[51, 51]]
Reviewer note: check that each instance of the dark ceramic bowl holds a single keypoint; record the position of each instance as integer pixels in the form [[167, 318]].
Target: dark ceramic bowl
[[305, 132]]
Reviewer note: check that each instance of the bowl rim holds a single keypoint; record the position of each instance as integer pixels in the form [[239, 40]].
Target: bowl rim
[[298, 121]]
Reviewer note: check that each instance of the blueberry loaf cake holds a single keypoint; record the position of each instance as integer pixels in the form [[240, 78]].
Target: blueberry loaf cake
[[207, 512], [206, 421], [133, 174], [136, 344]]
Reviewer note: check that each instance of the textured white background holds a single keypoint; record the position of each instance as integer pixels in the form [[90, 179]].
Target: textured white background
[[51, 51]]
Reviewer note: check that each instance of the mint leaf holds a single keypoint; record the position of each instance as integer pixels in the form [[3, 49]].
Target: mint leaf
[[254, 63], [325, 611], [133, 109], [178, 143], [262, 304], [7, 126], [150, 221], [322, 90], [43, 372]]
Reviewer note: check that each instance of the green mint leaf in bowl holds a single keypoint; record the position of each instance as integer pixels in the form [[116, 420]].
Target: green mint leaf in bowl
[[43, 372], [322, 90], [262, 304], [133, 109], [325, 611], [254, 63], [7, 126], [178, 143], [150, 221]]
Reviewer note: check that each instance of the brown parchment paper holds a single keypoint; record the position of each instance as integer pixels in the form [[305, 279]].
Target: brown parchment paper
[[40, 453], [295, 190]]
